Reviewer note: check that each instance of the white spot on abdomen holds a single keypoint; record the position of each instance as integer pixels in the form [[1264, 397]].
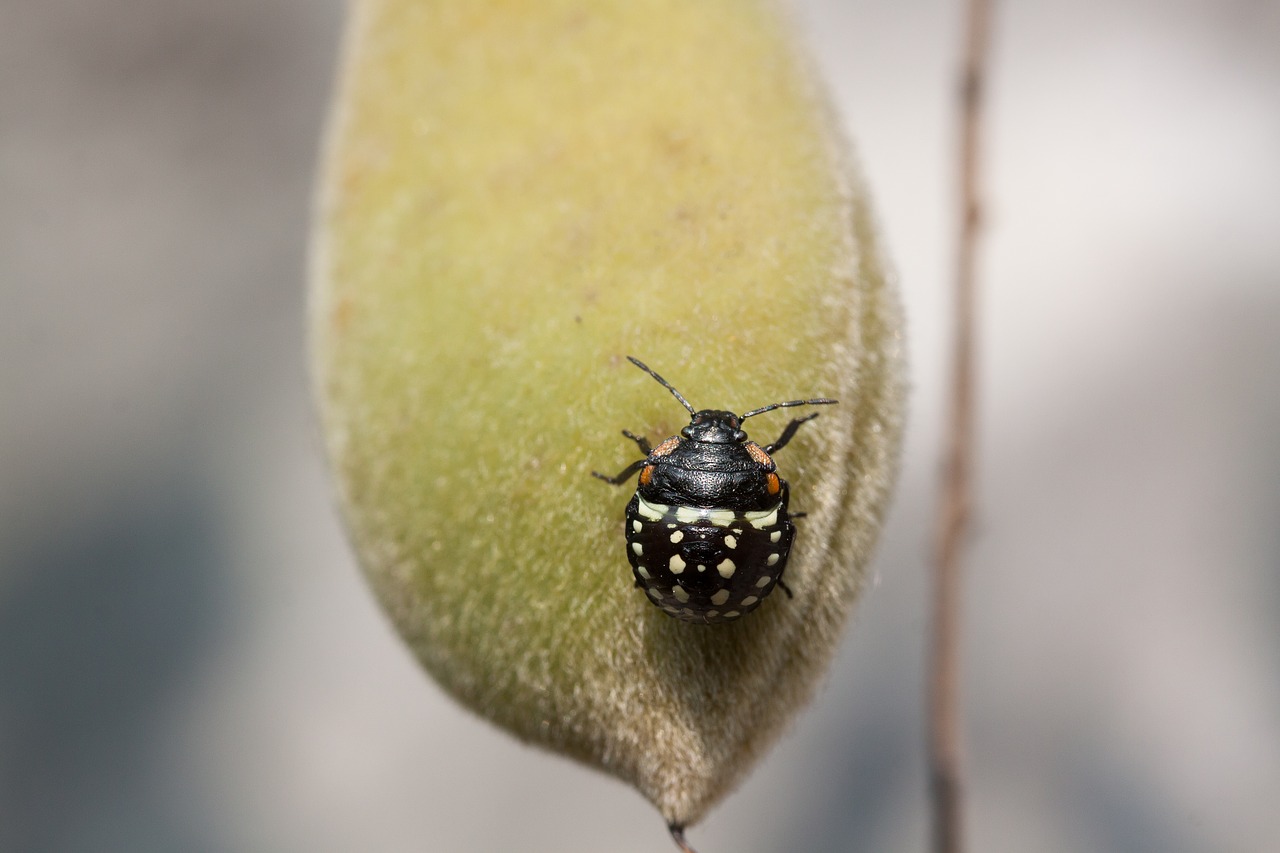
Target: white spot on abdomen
[[638, 548], [677, 536], [720, 517], [762, 519], [687, 514], [720, 597], [653, 512], [772, 561], [676, 564], [726, 568], [680, 594]]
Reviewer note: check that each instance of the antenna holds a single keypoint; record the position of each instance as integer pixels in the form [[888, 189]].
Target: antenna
[[819, 401], [665, 384]]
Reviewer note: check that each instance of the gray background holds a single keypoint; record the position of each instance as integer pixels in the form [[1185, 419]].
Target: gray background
[[189, 660]]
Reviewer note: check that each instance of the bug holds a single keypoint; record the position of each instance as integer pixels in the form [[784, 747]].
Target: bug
[[708, 531]]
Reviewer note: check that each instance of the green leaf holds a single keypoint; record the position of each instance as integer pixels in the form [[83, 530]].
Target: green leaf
[[516, 196]]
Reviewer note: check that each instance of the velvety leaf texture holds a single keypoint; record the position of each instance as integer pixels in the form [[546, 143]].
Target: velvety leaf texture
[[517, 196]]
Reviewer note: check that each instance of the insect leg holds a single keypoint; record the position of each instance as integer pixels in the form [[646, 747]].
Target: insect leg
[[623, 475], [645, 447], [788, 433]]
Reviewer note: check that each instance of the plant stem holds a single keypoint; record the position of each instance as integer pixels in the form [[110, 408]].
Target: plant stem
[[677, 835], [945, 759]]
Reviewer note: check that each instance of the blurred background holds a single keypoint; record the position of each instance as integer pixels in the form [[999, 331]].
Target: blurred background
[[189, 660]]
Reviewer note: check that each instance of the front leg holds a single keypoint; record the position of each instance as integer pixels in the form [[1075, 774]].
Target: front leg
[[788, 433], [623, 475], [645, 447]]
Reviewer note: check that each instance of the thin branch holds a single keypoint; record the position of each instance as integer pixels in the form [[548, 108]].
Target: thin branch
[[945, 759]]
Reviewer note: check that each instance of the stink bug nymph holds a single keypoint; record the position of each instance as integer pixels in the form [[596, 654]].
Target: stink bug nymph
[[708, 531]]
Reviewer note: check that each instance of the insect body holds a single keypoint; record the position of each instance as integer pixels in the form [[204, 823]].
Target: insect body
[[708, 532]]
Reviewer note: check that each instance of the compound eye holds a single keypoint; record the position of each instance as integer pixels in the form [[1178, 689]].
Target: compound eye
[[739, 435], [687, 432]]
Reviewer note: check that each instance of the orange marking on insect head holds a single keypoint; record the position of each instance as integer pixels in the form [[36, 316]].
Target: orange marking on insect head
[[667, 446], [774, 485], [758, 454], [646, 474]]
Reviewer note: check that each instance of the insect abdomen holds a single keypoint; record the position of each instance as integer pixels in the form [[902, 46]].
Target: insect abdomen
[[707, 565]]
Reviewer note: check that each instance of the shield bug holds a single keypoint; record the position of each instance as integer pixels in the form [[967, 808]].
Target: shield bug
[[708, 532]]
